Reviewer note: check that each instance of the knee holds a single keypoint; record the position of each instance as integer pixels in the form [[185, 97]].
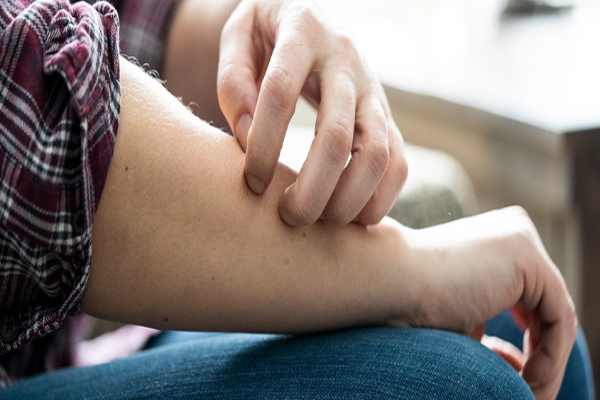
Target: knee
[[421, 363]]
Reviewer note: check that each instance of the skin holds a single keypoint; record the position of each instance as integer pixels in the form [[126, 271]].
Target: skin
[[245, 270], [271, 52], [175, 200], [180, 242]]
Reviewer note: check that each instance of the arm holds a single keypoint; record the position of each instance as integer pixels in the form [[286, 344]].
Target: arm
[[181, 243]]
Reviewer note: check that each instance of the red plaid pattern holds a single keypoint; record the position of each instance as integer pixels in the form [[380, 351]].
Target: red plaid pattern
[[59, 109]]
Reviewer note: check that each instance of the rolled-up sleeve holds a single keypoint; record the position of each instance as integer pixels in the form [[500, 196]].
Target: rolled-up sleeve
[[59, 109]]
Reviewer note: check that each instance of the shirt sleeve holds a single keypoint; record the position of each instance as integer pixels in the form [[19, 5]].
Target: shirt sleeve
[[144, 29], [59, 108]]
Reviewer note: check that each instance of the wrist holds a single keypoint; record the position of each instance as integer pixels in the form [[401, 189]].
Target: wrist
[[406, 284]]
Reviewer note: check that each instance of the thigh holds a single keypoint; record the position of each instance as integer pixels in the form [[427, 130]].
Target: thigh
[[365, 363]]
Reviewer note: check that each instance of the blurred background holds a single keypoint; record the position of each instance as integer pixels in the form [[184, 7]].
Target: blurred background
[[510, 91]]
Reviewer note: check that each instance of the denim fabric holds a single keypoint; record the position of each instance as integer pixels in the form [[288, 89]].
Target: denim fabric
[[578, 382], [357, 364]]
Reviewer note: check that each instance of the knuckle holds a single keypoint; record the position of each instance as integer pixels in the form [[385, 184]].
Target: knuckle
[[344, 41], [377, 157], [519, 210], [340, 133], [523, 227], [279, 81], [304, 19], [306, 16], [279, 86], [347, 46], [521, 270], [525, 235]]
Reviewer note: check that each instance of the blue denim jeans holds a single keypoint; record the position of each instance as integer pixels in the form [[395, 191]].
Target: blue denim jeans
[[361, 363]]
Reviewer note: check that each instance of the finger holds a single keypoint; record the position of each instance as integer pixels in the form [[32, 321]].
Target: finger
[[550, 340], [304, 201], [528, 344], [382, 200], [370, 156], [395, 176], [520, 317], [284, 78], [238, 71], [543, 368], [510, 353]]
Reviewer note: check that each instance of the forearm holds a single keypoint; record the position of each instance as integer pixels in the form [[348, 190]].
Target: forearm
[[179, 242], [192, 55]]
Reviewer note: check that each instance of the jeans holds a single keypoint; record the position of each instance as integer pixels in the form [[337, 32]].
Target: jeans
[[358, 364]]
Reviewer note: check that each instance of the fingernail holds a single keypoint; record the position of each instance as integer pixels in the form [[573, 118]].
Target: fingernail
[[242, 128], [255, 184]]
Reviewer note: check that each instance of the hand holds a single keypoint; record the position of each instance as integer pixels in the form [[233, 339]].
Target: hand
[[478, 266], [273, 51], [506, 350]]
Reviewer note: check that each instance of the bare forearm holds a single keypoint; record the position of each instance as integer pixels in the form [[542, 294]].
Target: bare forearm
[[181, 243], [192, 55]]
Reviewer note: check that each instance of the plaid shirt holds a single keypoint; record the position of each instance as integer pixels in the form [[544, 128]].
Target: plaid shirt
[[59, 109]]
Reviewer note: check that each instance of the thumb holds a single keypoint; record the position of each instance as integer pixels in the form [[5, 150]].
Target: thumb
[[510, 353], [238, 72]]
